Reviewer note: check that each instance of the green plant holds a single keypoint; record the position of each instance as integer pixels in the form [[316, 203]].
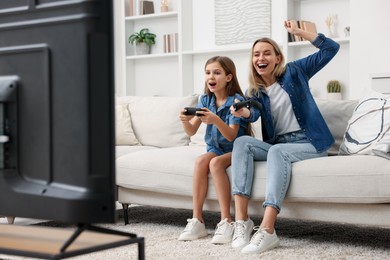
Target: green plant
[[143, 36], [333, 86]]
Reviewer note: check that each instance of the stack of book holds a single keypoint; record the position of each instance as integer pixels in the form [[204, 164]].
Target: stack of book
[[142, 7], [171, 42], [305, 25]]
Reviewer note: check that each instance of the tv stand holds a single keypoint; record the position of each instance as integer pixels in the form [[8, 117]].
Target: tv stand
[[58, 243]]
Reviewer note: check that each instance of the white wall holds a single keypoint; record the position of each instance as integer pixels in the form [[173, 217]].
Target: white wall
[[369, 46], [204, 39], [370, 43]]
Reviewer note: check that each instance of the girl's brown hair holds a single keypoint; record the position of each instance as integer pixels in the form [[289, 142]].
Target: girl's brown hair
[[255, 80], [228, 66]]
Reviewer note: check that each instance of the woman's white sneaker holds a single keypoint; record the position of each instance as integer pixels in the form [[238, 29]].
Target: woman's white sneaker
[[242, 232], [261, 241], [193, 230], [223, 233]]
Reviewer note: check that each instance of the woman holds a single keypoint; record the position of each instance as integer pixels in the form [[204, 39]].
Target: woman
[[293, 129]]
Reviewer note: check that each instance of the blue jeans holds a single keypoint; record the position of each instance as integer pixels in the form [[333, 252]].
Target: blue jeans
[[288, 148]]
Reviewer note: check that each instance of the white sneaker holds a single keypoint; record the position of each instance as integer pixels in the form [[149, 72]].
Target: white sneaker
[[261, 241], [223, 233], [242, 232], [193, 230]]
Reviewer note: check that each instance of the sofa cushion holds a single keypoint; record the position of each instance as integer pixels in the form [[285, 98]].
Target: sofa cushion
[[121, 150], [368, 130], [124, 134], [156, 120], [357, 179], [167, 170], [336, 114]]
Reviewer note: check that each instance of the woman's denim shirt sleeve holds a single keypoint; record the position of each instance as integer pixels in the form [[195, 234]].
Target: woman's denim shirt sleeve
[[313, 63]]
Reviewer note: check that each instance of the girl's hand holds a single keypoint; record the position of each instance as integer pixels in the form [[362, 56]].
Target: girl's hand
[[206, 116], [183, 117]]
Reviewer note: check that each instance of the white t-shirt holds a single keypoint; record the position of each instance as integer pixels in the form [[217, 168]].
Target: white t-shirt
[[283, 116]]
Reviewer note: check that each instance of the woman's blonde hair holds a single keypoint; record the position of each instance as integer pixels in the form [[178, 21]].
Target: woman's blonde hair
[[255, 80]]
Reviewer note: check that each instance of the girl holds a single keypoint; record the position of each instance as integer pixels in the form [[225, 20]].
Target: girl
[[221, 89], [293, 129]]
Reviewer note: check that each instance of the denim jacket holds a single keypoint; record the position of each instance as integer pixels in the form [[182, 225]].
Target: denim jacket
[[215, 141], [295, 81]]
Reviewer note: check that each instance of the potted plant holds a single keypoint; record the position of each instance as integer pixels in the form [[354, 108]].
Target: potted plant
[[334, 89], [143, 41]]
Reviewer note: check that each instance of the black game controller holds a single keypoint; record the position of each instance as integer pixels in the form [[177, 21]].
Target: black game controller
[[191, 111], [248, 104]]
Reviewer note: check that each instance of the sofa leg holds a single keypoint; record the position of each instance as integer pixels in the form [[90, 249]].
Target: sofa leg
[[10, 220], [125, 212]]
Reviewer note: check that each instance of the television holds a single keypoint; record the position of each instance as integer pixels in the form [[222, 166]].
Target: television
[[57, 133]]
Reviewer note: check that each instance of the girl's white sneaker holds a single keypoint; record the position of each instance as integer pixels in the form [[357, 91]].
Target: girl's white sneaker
[[193, 230]]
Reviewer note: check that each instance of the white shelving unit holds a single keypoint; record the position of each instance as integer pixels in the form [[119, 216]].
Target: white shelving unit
[[317, 11], [159, 73], [181, 73]]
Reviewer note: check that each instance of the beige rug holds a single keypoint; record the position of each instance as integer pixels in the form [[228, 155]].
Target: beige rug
[[299, 240]]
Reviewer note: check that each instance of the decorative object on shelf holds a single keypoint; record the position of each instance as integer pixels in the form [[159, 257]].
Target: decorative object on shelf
[[147, 7], [143, 41], [334, 90], [331, 24], [241, 21], [347, 31], [164, 6]]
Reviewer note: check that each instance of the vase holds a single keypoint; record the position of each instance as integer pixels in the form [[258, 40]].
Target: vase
[[142, 48], [334, 96]]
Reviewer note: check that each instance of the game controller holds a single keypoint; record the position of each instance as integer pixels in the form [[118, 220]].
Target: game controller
[[248, 104], [191, 111]]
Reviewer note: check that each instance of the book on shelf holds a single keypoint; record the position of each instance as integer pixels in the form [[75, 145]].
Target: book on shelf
[[131, 7], [171, 42], [304, 25]]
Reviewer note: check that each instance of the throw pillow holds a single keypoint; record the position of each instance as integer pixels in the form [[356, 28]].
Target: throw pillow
[[124, 134], [368, 130], [156, 120], [336, 114]]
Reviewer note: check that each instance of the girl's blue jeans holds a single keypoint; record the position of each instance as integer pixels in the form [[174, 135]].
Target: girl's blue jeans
[[288, 148]]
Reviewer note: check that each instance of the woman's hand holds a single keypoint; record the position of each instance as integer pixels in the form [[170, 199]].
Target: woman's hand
[[243, 112], [293, 28]]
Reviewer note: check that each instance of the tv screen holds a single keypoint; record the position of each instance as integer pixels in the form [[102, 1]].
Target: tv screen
[[57, 110]]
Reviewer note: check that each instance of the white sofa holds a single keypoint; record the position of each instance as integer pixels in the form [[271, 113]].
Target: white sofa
[[155, 160]]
